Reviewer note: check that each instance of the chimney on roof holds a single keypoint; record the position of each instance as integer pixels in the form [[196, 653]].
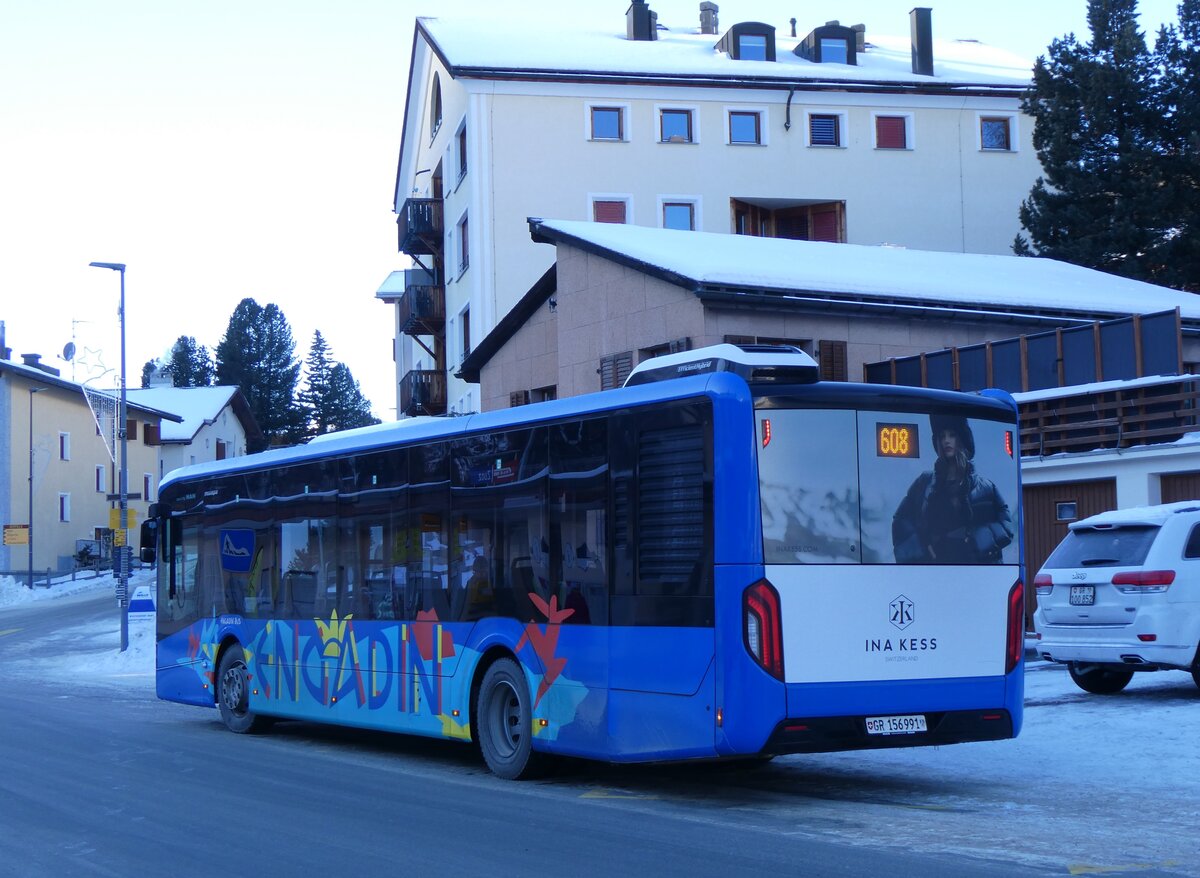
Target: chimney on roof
[[640, 22], [793, 27], [860, 37], [708, 18], [34, 361], [921, 27]]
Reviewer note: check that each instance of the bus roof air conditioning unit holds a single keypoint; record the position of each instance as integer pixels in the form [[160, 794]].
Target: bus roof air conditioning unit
[[759, 363]]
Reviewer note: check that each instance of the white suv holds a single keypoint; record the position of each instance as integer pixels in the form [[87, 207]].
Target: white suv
[[1121, 593]]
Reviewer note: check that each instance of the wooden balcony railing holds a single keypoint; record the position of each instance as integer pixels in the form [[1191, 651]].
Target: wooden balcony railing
[[422, 310], [419, 227], [1137, 414], [423, 392]]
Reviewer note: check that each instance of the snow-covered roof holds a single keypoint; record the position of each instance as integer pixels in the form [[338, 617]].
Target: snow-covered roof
[[475, 47], [195, 405], [808, 270], [39, 376]]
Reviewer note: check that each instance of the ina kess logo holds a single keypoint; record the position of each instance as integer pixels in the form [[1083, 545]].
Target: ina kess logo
[[902, 613]]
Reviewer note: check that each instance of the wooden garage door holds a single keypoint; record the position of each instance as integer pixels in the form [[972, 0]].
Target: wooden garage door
[[1180, 486], [1043, 528]]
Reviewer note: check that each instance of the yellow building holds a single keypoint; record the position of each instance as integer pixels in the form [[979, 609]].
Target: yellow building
[[57, 474]]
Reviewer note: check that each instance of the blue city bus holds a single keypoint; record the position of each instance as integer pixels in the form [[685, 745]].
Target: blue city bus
[[725, 558]]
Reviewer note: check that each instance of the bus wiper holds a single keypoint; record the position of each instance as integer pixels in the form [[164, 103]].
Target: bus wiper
[[1092, 562]]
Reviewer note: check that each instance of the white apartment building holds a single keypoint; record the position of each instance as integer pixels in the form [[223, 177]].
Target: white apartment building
[[834, 134]]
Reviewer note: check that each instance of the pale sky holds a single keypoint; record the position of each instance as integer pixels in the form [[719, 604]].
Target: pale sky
[[248, 148]]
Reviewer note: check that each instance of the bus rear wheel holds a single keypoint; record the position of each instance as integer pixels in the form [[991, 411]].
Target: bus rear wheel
[[233, 694], [504, 723], [1099, 680]]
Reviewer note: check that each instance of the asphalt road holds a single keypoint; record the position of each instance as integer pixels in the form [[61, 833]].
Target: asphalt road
[[106, 780]]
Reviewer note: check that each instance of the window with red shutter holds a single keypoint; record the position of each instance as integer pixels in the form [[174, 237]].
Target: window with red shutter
[[890, 132], [608, 211], [825, 226]]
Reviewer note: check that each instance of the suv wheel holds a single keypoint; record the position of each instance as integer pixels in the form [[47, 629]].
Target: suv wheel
[[1097, 679]]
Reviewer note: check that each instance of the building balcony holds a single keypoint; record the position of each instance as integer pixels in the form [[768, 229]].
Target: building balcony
[[423, 392], [419, 227], [422, 308]]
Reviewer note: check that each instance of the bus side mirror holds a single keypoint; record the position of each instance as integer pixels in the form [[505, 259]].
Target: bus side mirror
[[149, 541]]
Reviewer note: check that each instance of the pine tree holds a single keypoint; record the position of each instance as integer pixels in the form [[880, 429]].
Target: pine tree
[[1178, 54], [257, 354], [350, 408], [190, 364], [315, 397], [331, 398], [1096, 132], [148, 371]]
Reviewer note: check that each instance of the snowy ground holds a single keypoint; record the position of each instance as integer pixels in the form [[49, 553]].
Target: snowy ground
[[1094, 784], [89, 652]]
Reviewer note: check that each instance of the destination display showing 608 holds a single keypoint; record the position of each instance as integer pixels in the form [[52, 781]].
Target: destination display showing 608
[[896, 440]]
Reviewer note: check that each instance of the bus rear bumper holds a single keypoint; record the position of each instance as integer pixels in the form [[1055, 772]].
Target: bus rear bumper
[[834, 733]]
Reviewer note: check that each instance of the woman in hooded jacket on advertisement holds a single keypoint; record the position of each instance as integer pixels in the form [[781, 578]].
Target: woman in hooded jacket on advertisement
[[952, 514]]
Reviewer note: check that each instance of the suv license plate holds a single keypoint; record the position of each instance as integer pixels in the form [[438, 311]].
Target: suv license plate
[[1083, 595], [896, 725]]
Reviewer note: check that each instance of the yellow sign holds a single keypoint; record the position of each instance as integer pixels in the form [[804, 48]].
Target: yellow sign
[[114, 518], [16, 535], [119, 537]]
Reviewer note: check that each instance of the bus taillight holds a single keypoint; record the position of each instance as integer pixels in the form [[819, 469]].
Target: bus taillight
[[762, 627], [1016, 626]]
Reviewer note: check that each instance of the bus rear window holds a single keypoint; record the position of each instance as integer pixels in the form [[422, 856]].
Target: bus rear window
[[842, 487]]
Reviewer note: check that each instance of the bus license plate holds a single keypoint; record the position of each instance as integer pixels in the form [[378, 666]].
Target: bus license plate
[[1083, 595], [896, 725]]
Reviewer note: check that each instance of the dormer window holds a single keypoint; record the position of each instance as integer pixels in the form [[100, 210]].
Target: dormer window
[[834, 51], [749, 41], [752, 47], [831, 43]]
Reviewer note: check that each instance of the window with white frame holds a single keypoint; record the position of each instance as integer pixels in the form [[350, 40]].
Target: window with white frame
[[610, 209], [825, 129], [64, 507], [464, 339], [607, 122], [745, 127], [679, 214], [996, 133], [460, 142], [64, 446], [464, 251], [675, 125], [892, 131]]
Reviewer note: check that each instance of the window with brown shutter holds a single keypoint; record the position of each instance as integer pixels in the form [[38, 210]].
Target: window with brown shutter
[[608, 211], [825, 226], [131, 429], [891, 132], [152, 435], [832, 359], [614, 369]]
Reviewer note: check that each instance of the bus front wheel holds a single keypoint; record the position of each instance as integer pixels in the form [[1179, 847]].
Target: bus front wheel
[[233, 693], [504, 723]]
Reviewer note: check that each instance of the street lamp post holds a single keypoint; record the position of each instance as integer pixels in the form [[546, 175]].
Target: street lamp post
[[32, 391], [122, 424]]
